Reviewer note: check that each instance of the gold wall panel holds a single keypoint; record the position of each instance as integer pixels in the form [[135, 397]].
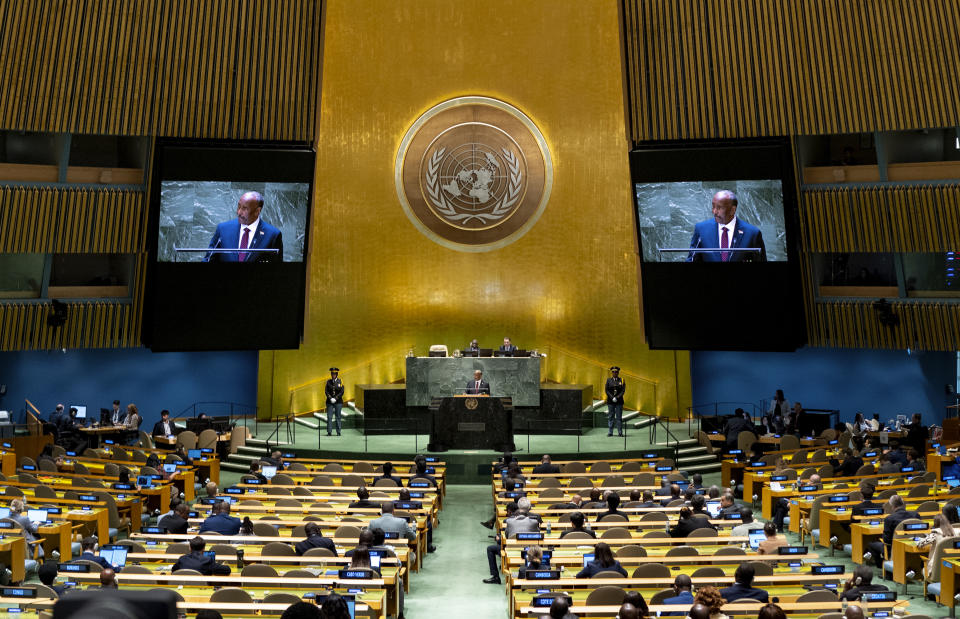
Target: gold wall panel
[[923, 326], [69, 220], [378, 287], [920, 218], [197, 68], [730, 68]]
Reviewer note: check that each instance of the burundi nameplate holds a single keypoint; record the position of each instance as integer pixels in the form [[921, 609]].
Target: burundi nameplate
[[473, 173]]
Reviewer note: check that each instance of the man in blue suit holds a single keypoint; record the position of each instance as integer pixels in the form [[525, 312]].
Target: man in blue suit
[[221, 521], [247, 231], [725, 231]]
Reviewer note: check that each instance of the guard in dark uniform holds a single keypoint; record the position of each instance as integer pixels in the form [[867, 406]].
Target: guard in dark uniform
[[334, 393], [615, 388]]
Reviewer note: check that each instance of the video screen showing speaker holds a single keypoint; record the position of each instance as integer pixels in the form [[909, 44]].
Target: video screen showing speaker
[[228, 237], [716, 232]]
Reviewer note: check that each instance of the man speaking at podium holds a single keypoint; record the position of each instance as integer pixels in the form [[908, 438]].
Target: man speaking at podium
[[478, 386], [726, 231], [247, 231]]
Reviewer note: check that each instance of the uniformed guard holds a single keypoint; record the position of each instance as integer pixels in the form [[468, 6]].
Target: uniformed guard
[[615, 388], [334, 393]]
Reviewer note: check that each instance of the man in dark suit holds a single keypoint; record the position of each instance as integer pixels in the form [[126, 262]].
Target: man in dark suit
[[898, 515], [742, 587], [177, 521], [917, 434], [866, 490], [247, 231], [615, 389], [164, 427], [726, 231], [728, 505], [699, 519], [507, 349], [734, 426], [89, 547], [613, 502], [478, 386], [117, 414], [363, 500], [474, 346], [546, 466], [682, 586], [221, 521], [333, 391], [196, 560], [47, 573], [314, 539]]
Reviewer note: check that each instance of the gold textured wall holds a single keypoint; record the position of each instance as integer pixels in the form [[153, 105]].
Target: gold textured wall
[[732, 68], [377, 286]]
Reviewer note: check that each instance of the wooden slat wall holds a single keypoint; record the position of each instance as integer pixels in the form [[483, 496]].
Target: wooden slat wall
[[234, 69], [734, 68], [196, 68], [926, 326], [889, 219], [64, 220]]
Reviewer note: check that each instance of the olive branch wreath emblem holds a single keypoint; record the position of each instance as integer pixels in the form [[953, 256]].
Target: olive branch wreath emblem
[[447, 209]]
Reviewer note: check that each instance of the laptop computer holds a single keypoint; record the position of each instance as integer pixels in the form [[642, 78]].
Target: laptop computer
[[4, 512], [115, 554], [713, 508], [170, 468], [268, 471], [754, 537], [38, 515], [81, 411], [144, 481], [587, 558], [194, 454]]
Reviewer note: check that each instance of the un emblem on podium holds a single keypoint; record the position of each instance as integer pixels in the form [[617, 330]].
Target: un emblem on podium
[[473, 173], [471, 404]]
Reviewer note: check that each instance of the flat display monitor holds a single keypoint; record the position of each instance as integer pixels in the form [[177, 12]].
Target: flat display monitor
[[115, 554], [228, 233], [268, 471], [170, 468], [716, 226], [37, 515], [713, 508], [754, 537], [81, 410]]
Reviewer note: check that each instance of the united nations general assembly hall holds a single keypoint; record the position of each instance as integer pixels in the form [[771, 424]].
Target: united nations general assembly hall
[[428, 309]]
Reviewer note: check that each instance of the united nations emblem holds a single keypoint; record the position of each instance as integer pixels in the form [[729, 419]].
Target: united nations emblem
[[473, 173], [471, 404]]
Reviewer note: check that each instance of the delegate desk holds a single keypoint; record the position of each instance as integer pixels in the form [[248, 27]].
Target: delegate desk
[[432, 377], [471, 422]]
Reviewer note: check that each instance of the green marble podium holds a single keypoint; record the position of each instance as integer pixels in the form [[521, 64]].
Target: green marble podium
[[437, 377]]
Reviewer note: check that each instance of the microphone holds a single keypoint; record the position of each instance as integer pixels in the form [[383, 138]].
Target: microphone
[[209, 256]]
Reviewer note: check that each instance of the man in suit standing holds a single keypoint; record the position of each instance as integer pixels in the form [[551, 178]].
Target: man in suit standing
[[164, 427], [334, 393], [221, 521], [196, 560], [478, 386], [247, 231], [507, 349], [726, 231], [615, 389]]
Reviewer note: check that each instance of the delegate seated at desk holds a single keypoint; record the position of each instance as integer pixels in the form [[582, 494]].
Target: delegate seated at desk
[[478, 386], [508, 349], [164, 427]]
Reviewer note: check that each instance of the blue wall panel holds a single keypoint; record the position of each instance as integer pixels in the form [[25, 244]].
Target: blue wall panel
[[153, 381], [874, 381]]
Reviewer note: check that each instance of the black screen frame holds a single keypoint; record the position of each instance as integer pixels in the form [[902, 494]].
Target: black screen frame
[[226, 306], [760, 303]]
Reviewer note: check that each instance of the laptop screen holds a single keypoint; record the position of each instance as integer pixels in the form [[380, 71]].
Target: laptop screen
[[114, 554], [713, 508], [587, 558], [755, 536], [37, 515], [4, 512], [193, 454], [269, 471], [144, 481], [953, 483], [170, 468], [81, 411]]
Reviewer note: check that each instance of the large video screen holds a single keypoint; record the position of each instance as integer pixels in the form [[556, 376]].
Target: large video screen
[[228, 233], [716, 233], [685, 221]]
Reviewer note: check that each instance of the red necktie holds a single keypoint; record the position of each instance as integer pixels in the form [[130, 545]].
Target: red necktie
[[478, 386], [246, 234], [724, 244]]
